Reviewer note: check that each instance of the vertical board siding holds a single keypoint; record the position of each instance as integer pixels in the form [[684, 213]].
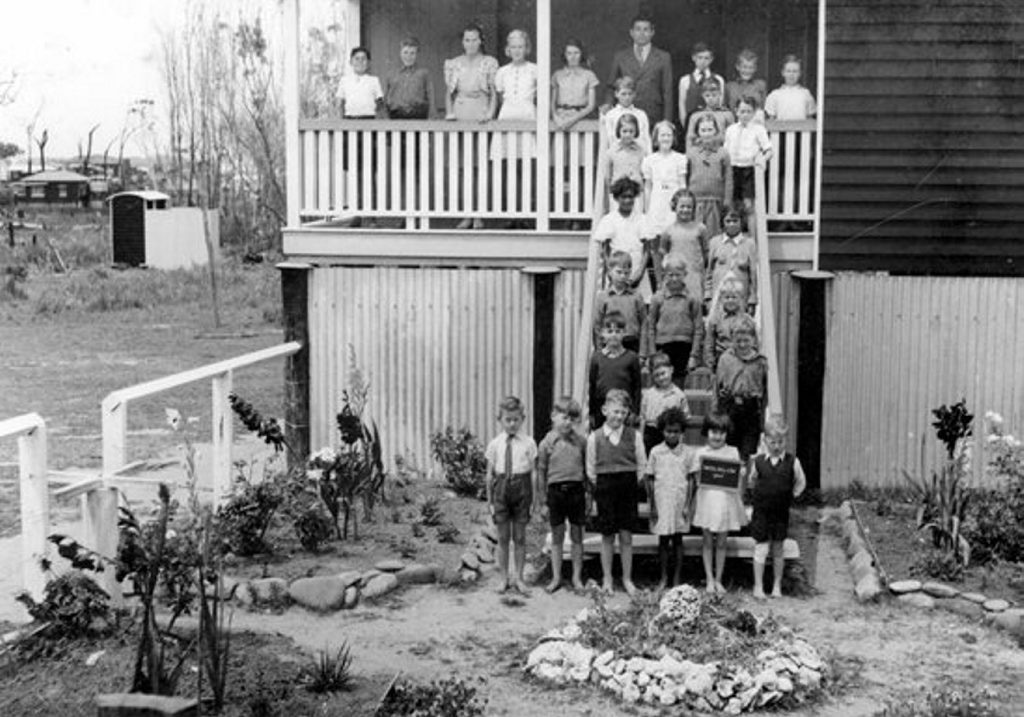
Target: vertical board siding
[[898, 347], [568, 305], [438, 346], [786, 300]]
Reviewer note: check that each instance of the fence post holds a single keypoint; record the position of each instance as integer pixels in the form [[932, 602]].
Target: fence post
[[35, 507], [99, 507], [223, 437]]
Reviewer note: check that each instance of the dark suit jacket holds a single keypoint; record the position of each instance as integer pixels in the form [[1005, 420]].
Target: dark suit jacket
[[653, 79]]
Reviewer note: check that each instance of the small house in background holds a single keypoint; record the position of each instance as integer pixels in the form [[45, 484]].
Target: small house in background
[[57, 186], [146, 231]]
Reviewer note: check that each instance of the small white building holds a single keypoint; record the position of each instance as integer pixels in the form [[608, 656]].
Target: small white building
[[145, 230]]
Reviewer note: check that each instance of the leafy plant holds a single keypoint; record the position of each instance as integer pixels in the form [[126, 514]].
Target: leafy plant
[[266, 428], [952, 425], [330, 672], [244, 519], [447, 533], [462, 459], [74, 605], [944, 703], [445, 698], [313, 528], [938, 564], [431, 513], [995, 519]]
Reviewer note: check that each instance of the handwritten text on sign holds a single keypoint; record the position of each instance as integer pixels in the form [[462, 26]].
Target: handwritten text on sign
[[719, 473]]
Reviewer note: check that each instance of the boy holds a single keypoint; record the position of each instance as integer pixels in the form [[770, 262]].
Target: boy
[[561, 477], [676, 321], [359, 93], [625, 228], [650, 66], [615, 465], [775, 479], [409, 92], [691, 86], [745, 84], [749, 149], [510, 477], [612, 367], [713, 107], [741, 385], [791, 101], [722, 323], [625, 95], [660, 397], [620, 297]]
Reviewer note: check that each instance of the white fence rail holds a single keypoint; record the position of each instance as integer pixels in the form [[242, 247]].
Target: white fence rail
[[30, 430], [433, 169]]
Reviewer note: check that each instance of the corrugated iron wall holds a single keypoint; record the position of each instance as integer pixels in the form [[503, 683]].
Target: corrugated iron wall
[[901, 346], [568, 307], [440, 347], [786, 297]]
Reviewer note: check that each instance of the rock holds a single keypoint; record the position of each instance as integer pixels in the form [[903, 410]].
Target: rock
[[137, 703], [868, 588], [490, 532], [995, 605], [604, 671], [974, 597], [636, 664], [389, 566], [699, 683], [604, 659], [747, 697], [484, 553], [244, 595], [939, 590], [808, 677], [619, 666], [351, 597], [768, 697], [919, 600], [350, 577], [531, 574], [702, 705], [902, 587], [642, 679], [961, 607], [470, 560], [845, 510], [667, 694], [714, 700], [468, 576], [631, 693], [323, 593], [733, 706], [862, 560], [367, 576], [855, 544], [725, 688], [1009, 620], [269, 590], [417, 574], [380, 586], [863, 570]]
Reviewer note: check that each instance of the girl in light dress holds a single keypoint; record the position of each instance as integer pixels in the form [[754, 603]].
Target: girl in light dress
[[670, 467], [573, 97], [686, 239], [717, 511], [516, 85], [664, 173]]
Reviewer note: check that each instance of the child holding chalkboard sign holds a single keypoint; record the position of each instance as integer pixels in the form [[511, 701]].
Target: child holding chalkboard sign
[[776, 479], [719, 508]]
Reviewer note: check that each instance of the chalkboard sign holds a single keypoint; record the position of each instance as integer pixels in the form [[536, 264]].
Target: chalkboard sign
[[719, 473]]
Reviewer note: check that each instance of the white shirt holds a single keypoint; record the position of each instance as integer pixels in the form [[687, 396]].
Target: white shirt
[[360, 94], [790, 102], [524, 453], [611, 120], [614, 436], [744, 144]]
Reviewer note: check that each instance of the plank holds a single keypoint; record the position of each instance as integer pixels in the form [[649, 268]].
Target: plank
[[737, 546], [929, 63]]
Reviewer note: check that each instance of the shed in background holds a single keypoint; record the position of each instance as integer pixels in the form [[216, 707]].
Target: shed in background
[[145, 230]]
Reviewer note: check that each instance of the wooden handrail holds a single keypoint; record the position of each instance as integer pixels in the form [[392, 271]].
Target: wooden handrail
[[766, 306], [30, 430]]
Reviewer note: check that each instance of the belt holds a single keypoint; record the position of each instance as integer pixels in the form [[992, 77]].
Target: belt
[[515, 476], [566, 484], [569, 107]]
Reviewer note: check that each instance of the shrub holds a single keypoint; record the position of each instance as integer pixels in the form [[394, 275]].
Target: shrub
[[995, 521], [445, 698], [944, 703], [462, 459], [313, 528], [447, 533], [939, 565], [243, 520], [330, 672], [73, 604], [431, 513]]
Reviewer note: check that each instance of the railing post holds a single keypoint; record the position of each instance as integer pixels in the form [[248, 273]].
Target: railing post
[[35, 507], [543, 143], [292, 100], [99, 507], [223, 437]]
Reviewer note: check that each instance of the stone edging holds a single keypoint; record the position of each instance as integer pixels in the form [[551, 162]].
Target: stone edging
[[868, 579], [933, 594], [479, 554]]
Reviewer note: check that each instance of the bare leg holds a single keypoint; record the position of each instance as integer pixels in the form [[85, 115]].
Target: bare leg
[[720, 542], [778, 566], [664, 542], [504, 536], [677, 556], [759, 571], [576, 537], [557, 542], [519, 540], [626, 554], [707, 556], [607, 552]]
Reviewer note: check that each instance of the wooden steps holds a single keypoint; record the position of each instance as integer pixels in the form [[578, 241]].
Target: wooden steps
[[737, 546]]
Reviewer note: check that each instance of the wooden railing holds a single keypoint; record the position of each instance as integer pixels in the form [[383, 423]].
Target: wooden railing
[[30, 430], [434, 169]]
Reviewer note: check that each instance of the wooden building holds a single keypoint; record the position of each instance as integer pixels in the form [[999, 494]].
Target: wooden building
[[56, 186]]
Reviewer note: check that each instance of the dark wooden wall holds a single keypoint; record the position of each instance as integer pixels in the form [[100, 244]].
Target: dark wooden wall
[[924, 137]]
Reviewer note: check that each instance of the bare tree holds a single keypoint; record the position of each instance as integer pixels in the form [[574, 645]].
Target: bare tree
[[41, 143], [88, 150]]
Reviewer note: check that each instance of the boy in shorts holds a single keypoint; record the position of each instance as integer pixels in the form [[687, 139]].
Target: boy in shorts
[[615, 469], [510, 475], [561, 477], [775, 479]]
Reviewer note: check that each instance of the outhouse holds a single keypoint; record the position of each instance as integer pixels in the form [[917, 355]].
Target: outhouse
[[145, 230]]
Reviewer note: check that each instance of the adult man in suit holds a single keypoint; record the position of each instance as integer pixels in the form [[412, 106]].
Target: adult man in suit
[[651, 69]]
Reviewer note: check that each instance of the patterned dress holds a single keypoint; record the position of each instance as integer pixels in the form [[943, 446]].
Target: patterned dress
[[671, 468], [471, 84], [517, 85]]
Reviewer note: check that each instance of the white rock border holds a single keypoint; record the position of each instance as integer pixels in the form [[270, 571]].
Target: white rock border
[[868, 579]]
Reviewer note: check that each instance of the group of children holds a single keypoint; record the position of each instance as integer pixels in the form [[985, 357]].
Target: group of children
[[610, 467]]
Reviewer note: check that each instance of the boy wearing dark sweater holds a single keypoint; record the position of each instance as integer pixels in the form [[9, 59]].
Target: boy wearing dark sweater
[[612, 366]]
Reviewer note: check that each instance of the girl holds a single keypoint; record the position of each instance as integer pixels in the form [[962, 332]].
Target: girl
[[660, 397], [669, 469], [710, 173], [664, 173], [516, 85], [749, 147], [625, 94], [720, 325], [625, 157], [686, 240], [624, 229], [741, 384], [469, 90], [573, 88], [717, 511], [731, 252]]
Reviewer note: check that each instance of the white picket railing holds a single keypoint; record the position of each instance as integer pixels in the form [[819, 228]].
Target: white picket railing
[[430, 169], [30, 430]]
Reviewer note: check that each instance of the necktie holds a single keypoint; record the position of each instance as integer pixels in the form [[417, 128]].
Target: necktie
[[701, 76], [508, 457], [640, 55]]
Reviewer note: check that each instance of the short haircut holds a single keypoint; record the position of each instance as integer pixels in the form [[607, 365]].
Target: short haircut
[[473, 27], [624, 185], [613, 319], [775, 425], [705, 118], [710, 85], [627, 118], [744, 325], [642, 18], [511, 404], [568, 407], [660, 359], [699, 47], [357, 50], [624, 83], [731, 283], [672, 416], [716, 422], [663, 124], [746, 55], [674, 262], [618, 397], [521, 34], [678, 196], [411, 41], [578, 44], [792, 58], [750, 101], [736, 210], [621, 258]]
